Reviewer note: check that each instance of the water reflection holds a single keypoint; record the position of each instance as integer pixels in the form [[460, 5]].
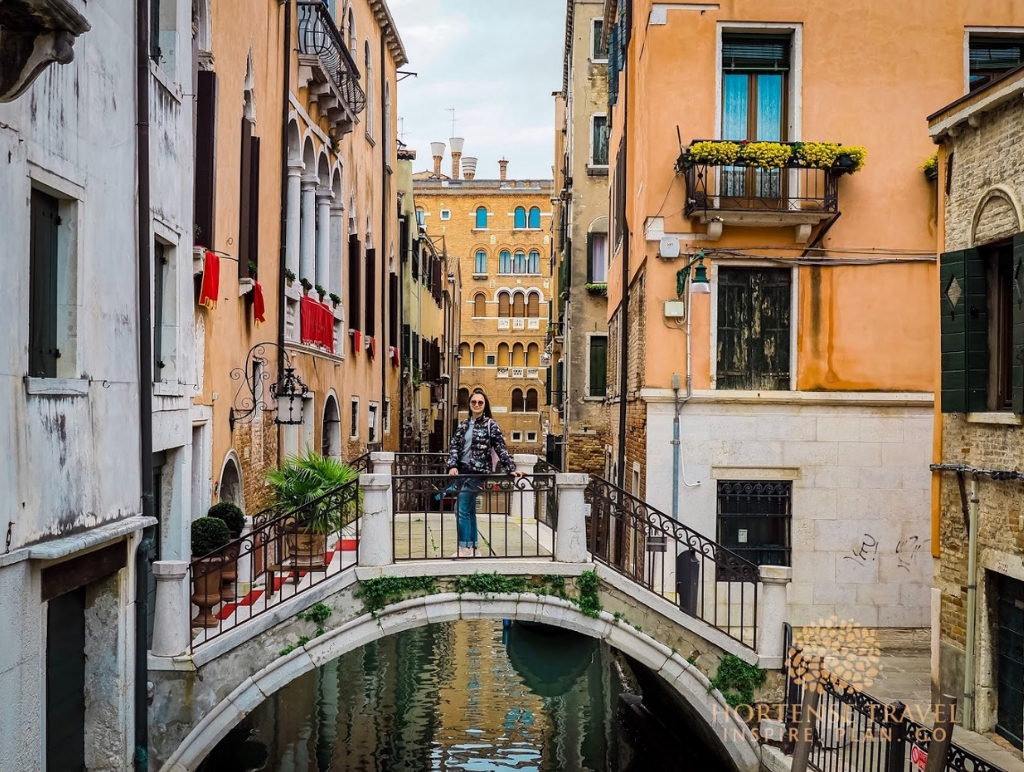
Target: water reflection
[[455, 696]]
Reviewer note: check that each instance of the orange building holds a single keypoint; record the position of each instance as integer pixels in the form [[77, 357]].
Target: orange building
[[499, 231], [771, 303]]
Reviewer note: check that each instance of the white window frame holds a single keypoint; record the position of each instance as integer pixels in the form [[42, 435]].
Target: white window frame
[[590, 155], [353, 419], [517, 436], [531, 436], [1010, 32], [446, 214], [387, 415], [373, 421], [593, 41], [491, 360]]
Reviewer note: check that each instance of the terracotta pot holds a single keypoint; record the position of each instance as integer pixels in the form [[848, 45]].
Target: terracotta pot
[[206, 590], [305, 549], [229, 571]]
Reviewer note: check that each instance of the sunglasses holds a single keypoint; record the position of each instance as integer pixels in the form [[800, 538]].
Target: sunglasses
[[476, 402]]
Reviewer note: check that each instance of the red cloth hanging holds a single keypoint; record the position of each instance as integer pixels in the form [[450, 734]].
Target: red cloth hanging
[[259, 308], [396, 360], [373, 347], [327, 326], [211, 281], [357, 340], [317, 323]]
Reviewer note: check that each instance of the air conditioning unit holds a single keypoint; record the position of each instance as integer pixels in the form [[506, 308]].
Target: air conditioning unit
[[669, 247]]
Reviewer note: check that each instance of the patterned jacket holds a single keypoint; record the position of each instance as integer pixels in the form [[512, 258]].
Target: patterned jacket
[[487, 436]]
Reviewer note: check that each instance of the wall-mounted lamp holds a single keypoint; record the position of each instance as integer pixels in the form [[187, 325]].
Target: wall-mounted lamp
[[699, 284], [288, 392]]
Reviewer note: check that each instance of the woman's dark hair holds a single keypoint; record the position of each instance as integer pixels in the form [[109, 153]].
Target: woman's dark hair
[[487, 402]]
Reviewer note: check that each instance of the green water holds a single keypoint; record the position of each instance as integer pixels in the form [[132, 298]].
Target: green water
[[468, 695]]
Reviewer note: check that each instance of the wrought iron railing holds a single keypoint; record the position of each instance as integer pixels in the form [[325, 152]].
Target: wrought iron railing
[[737, 186], [854, 731], [515, 516], [705, 579], [318, 35], [275, 561]]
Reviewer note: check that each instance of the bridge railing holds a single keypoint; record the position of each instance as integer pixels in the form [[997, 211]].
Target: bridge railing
[[705, 579], [515, 516]]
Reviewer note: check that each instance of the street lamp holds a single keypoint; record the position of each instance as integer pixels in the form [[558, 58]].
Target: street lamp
[[288, 391], [699, 284]]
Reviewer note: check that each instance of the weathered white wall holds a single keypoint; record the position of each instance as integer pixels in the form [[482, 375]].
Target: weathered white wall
[[861, 507]]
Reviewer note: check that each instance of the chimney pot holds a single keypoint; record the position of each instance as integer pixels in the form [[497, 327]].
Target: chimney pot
[[503, 165], [437, 150], [469, 167]]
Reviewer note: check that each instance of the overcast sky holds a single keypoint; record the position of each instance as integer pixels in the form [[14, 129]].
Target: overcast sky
[[496, 63]]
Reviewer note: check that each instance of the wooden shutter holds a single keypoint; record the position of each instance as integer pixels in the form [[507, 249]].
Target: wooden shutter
[[355, 319], [42, 324], [598, 366], [244, 199], [590, 258], [976, 270], [393, 309], [370, 325], [436, 281], [254, 201], [964, 331], [206, 158], [1017, 295]]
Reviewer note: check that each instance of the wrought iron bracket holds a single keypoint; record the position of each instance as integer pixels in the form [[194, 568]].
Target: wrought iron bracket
[[249, 397]]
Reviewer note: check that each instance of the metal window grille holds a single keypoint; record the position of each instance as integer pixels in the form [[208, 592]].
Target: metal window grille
[[754, 519]]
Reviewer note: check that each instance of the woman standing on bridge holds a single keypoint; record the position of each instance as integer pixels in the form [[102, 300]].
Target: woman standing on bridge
[[478, 446]]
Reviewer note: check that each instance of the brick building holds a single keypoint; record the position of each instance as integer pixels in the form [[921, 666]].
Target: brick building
[[499, 231], [979, 498]]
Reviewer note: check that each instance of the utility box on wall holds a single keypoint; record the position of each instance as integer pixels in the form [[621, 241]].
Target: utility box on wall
[[675, 309]]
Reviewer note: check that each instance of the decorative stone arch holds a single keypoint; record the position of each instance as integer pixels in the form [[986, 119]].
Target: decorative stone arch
[[518, 354], [330, 438], [249, 89], [533, 300], [533, 355], [504, 355], [323, 168], [294, 135], [229, 483], [309, 155], [718, 725], [997, 216], [504, 298], [480, 304], [479, 354]]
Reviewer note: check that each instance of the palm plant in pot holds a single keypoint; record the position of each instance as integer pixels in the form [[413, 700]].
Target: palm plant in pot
[[208, 536], [320, 496], [233, 518]]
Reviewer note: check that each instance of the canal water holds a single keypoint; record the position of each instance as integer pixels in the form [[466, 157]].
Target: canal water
[[468, 695]]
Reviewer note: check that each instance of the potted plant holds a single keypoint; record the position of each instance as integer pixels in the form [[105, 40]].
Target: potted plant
[[851, 158], [314, 491], [253, 270], [321, 292], [307, 285], [209, 534], [816, 155], [233, 518], [335, 300], [597, 288], [766, 155], [713, 153], [931, 167], [289, 276]]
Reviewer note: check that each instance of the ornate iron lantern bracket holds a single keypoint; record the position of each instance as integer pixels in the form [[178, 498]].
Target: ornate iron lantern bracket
[[287, 392]]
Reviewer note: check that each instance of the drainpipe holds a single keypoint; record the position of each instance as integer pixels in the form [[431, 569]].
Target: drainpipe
[[675, 439], [281, 302], [624, 305], [144, 551], [972, 599], [385, 213], [404, 259]]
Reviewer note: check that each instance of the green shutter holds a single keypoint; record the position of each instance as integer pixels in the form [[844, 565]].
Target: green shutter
[[1018, 323], [590, 258], [976, 270], [953, 301]]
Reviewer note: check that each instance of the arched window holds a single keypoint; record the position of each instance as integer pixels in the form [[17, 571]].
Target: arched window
[[518, 401], [519, 306], [518, 355], [419, 217], [519, 262], [479, 359], [503, 305], [531, 401], [464, 354], [481, 262], [533, 306], [368, 70], [533, 355], [533, 266], [352, 32], [480, 305], [505, 262], [481, 217], [463, 399], [520, 218], [503, 359], [330, 439], [534, 217]]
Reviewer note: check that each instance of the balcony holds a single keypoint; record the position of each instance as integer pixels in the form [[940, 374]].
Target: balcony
[[327, 67], [780, 184]]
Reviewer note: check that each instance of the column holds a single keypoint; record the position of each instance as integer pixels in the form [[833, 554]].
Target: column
[[375, 545], [571, 529], [293, 219], [383, 462], [323, 238], [524, 500], [772, 612], [307, 241], [337, 246], [171, 624], [244, 562]]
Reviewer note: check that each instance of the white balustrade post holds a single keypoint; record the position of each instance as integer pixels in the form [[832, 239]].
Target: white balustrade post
[[571, 530], [772, 612], [383, 462], [171, 625], [524, 504], [375, 544], [244, 561]]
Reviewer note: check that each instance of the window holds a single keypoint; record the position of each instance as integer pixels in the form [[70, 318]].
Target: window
[[597, 258], [534, 217], [518, 355], [599, 141], [754, 520], [505, 261], [372, 421], [990, 57], [597, 366], [420, 214], [204, 193], [982, 365], [353, 431], [478, 355], [531, 400], [464, 354], [533, 306], [492, 360], [481, 262], [352, 32], [165, 303], [163, 34], [753, 328], [53, 290], [754, 79], [481, 217], [518, 401], [533, 266], [517, 436], [598, 45], [504, 305], [387, 415], [531, 436], [519, 306], [446, 214], [532, 355], [480, 305], [519, 218], [368, 74], [504, 359], [463, 399], [371, 294], [519, 263], [330, 436]]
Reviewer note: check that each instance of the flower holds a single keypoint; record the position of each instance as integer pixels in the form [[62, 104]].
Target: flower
[[767, 155], [714, 153], [817, 155]]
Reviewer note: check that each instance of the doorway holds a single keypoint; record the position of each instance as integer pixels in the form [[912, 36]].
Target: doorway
[[1010, 660], [65, 681]]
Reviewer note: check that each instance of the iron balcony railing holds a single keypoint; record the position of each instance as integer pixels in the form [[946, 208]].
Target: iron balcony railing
[[712, 187], [706, 580], [319, 36]]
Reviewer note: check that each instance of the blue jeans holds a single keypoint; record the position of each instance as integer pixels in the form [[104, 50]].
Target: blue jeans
[[466, 511]]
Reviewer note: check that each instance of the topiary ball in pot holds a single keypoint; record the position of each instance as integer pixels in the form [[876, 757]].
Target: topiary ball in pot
[[231, 515], [208, 534]]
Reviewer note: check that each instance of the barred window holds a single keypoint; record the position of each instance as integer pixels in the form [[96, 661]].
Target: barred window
[[754, 519]]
